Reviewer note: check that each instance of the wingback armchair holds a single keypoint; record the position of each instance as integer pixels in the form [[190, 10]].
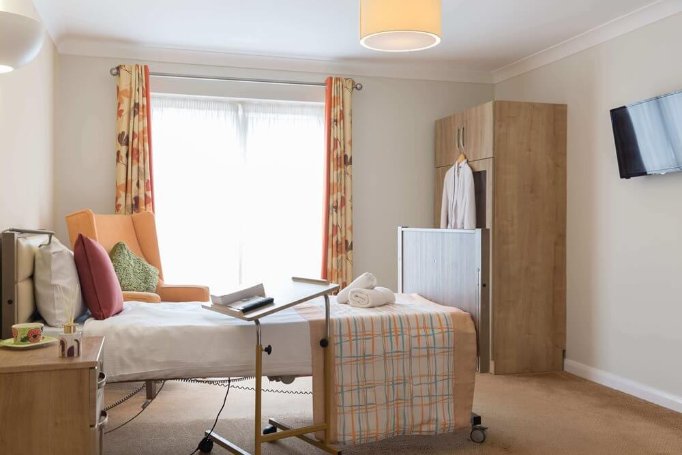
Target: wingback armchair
[[138, 231]]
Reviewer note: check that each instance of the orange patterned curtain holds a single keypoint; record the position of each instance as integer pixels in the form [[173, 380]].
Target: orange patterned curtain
[[337, 257], [134, 183]]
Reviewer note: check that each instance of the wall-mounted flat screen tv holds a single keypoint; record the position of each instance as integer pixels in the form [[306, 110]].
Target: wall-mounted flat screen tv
[[648, 136]]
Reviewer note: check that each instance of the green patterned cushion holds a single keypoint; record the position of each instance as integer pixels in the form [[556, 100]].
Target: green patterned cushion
[[133, 272]]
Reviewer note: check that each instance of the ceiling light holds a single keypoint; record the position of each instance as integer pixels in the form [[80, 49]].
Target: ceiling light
[[21, 35], [400, 25]]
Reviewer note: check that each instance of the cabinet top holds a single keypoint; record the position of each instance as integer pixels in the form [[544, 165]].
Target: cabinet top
[[494, 104], [47, 358]]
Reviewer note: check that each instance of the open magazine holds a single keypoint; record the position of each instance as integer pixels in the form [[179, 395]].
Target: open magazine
[[244, 300]]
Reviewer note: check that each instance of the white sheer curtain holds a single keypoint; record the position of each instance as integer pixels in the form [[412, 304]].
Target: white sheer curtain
[[238, 189]]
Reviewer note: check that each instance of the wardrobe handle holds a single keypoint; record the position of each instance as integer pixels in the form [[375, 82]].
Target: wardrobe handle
[[103, 419], [101, 380], [463, 138], [458, 136]]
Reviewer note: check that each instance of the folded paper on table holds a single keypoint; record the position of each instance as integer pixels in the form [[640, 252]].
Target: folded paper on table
[[240, 295], [240, 302], [371, 298]]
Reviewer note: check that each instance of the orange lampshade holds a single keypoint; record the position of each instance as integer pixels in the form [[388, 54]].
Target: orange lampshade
[[400, 25]]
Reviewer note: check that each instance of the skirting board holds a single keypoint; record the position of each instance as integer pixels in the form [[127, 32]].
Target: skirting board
[[625, 385]]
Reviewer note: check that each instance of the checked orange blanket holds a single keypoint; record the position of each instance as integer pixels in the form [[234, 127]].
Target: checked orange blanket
[[401, 369]]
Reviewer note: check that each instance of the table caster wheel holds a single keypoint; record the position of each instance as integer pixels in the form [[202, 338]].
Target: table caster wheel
[[270, 429], [478, 434], [206, 445]]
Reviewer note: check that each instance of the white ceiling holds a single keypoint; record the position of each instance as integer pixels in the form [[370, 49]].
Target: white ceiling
[[478, 35]]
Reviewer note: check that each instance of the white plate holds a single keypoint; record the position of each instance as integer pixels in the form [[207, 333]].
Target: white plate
[[9, 343]]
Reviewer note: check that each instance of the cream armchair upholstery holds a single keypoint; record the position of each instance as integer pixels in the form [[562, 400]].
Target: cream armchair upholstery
[[138, 231]]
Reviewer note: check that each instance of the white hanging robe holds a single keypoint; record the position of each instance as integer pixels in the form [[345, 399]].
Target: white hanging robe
[[458, 210]]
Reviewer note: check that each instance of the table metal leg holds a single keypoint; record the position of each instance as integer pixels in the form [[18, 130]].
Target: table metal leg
[[259, 378], [327, 346], [314, 442], [286, 431], [228, 445], [225, 444]]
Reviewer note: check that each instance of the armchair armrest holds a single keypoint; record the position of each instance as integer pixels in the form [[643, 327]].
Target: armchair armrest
[[183, 293], [149, 297]]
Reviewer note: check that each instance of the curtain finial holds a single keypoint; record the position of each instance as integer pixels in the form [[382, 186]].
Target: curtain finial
[[351, 85]]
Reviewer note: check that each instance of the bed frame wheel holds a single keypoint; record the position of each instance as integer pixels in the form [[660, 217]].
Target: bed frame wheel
[[270, 429], [478, 434], [206, 445]]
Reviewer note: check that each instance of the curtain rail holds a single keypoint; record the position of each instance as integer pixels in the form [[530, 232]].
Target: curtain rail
[[356, 85]]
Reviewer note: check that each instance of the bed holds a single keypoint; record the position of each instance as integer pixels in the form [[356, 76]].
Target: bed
[[406, 368]]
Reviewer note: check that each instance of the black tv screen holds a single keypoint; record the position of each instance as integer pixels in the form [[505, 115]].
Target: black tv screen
[[648, 136]]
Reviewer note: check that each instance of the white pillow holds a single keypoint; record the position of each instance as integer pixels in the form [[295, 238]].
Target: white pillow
[[57, 289]]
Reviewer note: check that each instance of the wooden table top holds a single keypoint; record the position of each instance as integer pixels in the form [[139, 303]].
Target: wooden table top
[[47, 357]]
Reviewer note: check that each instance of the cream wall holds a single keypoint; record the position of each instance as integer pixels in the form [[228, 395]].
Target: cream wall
[[393, 127], [393, 162], [624, 236], [26, 143]]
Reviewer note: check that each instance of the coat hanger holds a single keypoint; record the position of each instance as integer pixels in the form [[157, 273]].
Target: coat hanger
[[460, 158]]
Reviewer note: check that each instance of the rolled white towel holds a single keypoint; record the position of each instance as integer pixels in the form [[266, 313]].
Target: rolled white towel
[[370, 298], [364, 281]]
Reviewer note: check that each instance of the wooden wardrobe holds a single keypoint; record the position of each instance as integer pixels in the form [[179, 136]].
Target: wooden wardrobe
[[518, 154]]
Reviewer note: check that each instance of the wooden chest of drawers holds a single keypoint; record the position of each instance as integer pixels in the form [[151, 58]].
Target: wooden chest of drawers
[[50, 405]]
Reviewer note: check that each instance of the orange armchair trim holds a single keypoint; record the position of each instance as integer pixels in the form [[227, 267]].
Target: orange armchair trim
[[148, 297], [138, 231], [170, 293]]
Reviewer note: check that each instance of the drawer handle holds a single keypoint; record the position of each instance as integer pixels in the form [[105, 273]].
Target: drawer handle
[[103, 419], [101, 379]]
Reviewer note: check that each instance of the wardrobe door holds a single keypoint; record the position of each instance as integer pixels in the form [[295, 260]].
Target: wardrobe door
[[438, 196], [529, 238], [478, 132], [448, 136]]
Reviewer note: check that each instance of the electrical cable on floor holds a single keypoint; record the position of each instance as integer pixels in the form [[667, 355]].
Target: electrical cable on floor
[[215, 382], [144, 406], [215, 422], [125, 398], [223, 383]]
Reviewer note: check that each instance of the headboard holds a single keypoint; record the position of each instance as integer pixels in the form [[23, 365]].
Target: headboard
[[450, 267], [17, 253]]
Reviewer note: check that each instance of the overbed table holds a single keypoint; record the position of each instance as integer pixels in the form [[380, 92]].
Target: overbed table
[[297, 291]]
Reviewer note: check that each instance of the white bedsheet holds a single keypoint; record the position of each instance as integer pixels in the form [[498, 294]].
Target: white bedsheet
[[175, 340]]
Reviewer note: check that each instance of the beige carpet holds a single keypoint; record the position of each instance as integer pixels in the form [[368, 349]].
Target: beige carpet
[[530, 414]]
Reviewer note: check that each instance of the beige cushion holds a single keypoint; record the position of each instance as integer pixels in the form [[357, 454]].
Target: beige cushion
[[25, 251], [57, 290], [26, 303], [24, 261]]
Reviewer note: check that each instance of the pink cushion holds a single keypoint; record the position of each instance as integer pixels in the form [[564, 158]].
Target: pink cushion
[[99, 284]]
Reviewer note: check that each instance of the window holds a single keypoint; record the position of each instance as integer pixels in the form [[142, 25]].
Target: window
[[238, 189]]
